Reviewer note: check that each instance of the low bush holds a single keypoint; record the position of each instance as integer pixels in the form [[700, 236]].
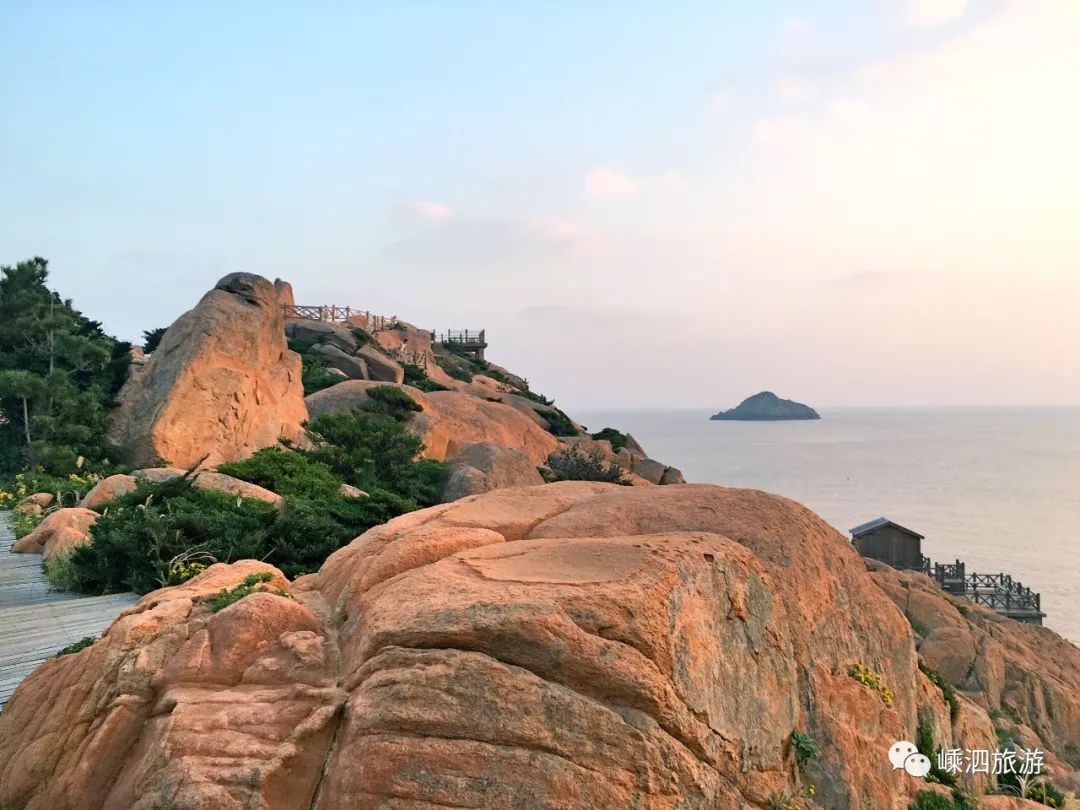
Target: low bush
[[164, 533], [805, 748], [315, 373], [924, 742], [415, 376], [390, 400], [285, 472], [929, 800], [574, 464], [81, 644], [617, 438], [248, 585], [947, 690], [559, 424]]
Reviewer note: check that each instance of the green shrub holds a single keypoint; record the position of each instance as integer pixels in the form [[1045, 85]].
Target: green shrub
[[924, 742], [928, 800], [133, 543], [559, 424], [81, 644], [315, 373], [60, 572], [24, 523], [372, 452], [415, 376], [248, 585], [805, 748], [617, 438], [574, 464], [286, 472], [390, 400], [947, 690], [456, 366]]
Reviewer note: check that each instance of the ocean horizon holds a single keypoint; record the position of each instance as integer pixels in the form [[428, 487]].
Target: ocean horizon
[[996, 486]]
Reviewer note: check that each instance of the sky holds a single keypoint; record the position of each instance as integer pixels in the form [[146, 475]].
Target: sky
[[646, 204]]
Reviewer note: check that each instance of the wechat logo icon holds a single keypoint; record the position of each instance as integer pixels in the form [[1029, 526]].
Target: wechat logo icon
[[904, 755]]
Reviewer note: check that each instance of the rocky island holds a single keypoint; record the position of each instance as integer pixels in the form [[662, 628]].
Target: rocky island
[[766, 407]]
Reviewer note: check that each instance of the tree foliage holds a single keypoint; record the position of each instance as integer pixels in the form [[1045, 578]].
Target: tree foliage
[[58, 373]]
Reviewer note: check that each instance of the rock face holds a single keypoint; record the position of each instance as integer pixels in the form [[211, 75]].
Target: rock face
[[572, 645], [767, 407], [484, 467], [450, 420], [1026, 677], [221, 384], [59, 531]]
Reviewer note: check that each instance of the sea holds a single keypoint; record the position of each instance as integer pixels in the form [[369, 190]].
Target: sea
[[996, 488]]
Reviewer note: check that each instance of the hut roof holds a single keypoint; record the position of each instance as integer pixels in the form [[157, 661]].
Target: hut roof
[[866, 528]]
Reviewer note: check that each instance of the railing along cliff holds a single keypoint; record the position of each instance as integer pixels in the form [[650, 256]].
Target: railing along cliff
[[335, 314], [999, 592]]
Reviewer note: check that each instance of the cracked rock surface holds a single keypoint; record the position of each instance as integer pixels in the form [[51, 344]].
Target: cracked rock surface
[[571, 645]]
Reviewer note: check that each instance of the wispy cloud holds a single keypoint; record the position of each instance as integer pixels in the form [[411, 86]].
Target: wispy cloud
[[603, 181]]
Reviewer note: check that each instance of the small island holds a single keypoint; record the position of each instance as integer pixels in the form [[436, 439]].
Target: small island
[[767, 407]]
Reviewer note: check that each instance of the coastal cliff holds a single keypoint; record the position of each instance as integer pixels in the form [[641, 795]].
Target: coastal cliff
[[766, 407], [622, 639]]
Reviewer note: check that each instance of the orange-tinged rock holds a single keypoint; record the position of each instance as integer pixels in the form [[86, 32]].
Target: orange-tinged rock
[[450, 421], [109, 489], [574, 645], [59, 531], [221, 384]]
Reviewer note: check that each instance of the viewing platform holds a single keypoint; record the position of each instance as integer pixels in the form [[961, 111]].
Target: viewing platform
[[900, 547], [331, 313], [465, 340]]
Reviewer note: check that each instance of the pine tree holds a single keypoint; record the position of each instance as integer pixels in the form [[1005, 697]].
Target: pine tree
[[58, 373]]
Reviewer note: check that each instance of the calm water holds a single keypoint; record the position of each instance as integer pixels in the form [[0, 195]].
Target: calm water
[[999, 489]]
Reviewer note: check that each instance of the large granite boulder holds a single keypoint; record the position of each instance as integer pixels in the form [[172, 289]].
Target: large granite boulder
[[381, 366], [221, 384], [449, 421], [486, 466], [572, 645], [306, 333], [355, 368]]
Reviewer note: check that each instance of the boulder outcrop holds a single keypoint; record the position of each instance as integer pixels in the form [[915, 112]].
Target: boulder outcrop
[[1025, 678], [109, 489], [59, 531], [486, 466], [220, 385], [450, 420], [559, 646]]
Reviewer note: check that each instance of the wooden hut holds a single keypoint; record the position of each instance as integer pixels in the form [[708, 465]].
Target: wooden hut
[[889, 542]]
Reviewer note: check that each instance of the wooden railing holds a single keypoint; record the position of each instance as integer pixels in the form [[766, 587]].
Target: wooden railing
[[335, 314], [999, 592]]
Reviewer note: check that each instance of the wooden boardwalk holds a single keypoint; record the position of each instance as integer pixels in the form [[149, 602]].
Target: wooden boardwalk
[[35, 623]]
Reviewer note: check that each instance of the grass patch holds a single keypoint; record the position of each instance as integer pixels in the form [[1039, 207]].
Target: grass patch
[[248, 585]]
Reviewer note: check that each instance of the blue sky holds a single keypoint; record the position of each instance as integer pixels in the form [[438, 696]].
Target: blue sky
[[646, 204]]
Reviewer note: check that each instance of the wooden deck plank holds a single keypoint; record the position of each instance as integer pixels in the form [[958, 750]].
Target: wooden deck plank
[[37, 622]]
